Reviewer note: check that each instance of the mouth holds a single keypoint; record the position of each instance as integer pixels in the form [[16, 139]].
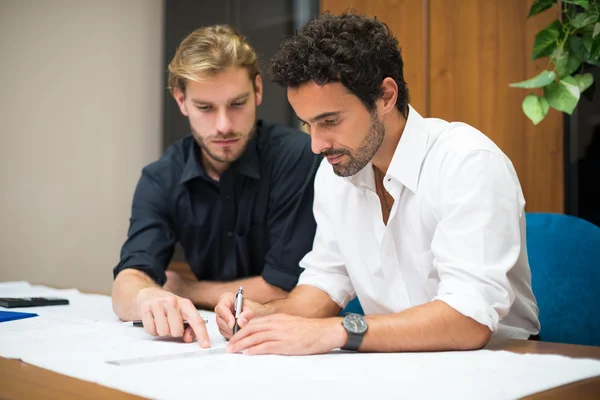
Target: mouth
[[333, 160], [226, 142]]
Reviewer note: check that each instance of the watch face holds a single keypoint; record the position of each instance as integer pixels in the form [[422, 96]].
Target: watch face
[[355, 323]]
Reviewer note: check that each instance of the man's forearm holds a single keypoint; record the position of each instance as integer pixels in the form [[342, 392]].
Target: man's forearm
[[206, 294], [126, 286], [433, 326], [305, 301]]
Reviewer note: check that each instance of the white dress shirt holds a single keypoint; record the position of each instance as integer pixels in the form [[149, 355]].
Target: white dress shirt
[[456, 231]]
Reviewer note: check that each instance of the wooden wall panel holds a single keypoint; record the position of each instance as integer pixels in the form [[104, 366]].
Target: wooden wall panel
[[405, 19], [478, 47], [460, 56]]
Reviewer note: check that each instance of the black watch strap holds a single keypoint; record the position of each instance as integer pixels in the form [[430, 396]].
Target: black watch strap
[[354, 341]]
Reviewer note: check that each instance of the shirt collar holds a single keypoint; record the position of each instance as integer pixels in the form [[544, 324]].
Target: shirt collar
[[405, 166], [247, 164], [192, 168], [410, 152]]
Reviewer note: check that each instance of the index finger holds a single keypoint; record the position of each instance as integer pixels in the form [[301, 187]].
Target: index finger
[[189, 312], [224, 309]]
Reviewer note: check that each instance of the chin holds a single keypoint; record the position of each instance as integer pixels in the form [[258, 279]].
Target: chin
[[345, 170], [341, 171], [226, 158]]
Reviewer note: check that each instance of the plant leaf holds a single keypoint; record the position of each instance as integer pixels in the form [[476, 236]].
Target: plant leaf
[[587, 42], [584, 81], [563, 95], [582, 3], [577, 47], [540, 5], [589, 93], [566, 63], [595, 48], [542, 79], [535, 107], [592, 45], [546, 41], [583, 19]]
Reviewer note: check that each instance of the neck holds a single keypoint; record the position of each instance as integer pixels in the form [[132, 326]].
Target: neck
[[394, 126], [213, 168]]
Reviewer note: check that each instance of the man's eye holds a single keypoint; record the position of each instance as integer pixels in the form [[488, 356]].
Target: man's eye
[[204, 108], [330, 121], [238, 104]]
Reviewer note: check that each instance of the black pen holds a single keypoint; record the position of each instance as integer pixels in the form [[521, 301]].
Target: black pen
[[140, 324], [239, 300]]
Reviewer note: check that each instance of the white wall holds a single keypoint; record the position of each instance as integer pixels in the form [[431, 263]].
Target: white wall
[[80, 114]]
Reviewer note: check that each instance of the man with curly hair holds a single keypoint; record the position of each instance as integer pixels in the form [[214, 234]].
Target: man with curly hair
[[421, 219]]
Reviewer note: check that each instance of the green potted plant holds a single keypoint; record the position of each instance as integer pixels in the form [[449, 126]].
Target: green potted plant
[[570, 43]]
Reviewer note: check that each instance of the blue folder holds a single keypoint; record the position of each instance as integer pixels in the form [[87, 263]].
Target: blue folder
[[12, 315]]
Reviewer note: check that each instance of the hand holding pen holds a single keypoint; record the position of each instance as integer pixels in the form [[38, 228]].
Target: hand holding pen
[[235, 310]]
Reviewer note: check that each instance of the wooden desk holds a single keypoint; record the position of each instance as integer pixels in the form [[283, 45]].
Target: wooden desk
[[19, 380]]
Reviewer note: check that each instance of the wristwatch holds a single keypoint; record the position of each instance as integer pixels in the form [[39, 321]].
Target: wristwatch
[[356, 327]]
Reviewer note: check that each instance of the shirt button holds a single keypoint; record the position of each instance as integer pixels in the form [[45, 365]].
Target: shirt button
[[229, 233]]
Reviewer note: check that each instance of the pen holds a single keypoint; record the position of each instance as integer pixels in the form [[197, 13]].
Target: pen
[[239, 300], [141, 325]]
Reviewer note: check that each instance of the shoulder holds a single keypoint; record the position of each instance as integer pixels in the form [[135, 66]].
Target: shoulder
[[461, 156], [450, 143], [168, 169], [286, 147], [279, 137]]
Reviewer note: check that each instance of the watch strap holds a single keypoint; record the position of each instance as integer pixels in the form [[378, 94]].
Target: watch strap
[[353, 342]]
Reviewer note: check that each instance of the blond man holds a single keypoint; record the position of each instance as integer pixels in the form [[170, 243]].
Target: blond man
[[236, 193]]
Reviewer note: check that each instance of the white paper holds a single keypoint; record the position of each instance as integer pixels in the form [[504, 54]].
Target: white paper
[[79, 339]]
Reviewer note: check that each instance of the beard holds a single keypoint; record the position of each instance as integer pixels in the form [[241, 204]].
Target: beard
[[224, 154], [360, 157]]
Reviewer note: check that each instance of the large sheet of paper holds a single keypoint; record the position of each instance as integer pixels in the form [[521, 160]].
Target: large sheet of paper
[[85, 338]]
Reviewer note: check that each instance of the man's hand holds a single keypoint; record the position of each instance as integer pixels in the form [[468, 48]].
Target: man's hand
[[163, 313], [226, 313], [288, 335]]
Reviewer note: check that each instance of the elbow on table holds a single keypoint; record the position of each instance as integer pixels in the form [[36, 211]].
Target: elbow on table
[[479, 336]]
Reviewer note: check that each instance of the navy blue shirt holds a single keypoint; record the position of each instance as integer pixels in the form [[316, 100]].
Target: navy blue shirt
[[256, 220]]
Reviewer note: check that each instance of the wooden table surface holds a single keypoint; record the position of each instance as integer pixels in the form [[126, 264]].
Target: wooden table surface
[[19, 380]]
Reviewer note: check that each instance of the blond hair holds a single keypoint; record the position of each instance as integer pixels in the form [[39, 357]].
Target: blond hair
[[210, 50]]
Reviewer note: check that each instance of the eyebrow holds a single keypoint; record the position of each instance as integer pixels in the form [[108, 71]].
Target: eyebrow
[[322, 115], [242, 96]]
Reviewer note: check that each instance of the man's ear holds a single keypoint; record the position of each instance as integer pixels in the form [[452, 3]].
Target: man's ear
[[180, 99], [390, 95], [258, 89]]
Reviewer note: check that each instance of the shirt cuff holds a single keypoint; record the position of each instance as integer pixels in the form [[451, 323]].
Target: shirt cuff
[[281, 279], [339, 292], [157, 275], [471, 303]]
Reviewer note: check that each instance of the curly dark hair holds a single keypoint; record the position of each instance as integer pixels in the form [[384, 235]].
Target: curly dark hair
[[358, 51]]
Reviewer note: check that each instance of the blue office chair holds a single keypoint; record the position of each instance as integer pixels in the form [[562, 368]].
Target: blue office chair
[[353, 307], [564, 255]]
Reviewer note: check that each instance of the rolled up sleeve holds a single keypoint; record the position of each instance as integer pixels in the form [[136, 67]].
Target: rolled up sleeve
[[324, 267], [478, 239], [151, 238]]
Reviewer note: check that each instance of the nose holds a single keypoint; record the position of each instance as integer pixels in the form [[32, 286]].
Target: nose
[[223, 123], [318, 141]]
